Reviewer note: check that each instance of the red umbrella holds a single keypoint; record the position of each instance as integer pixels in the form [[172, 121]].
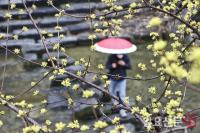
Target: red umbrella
[[115, 46]]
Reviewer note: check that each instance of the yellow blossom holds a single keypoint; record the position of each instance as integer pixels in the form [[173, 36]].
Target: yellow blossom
[[16, 51], [60, 126], [64, 62], [152, 90], [138, 98], [84, 128], [58, 28], [70, 101], [43, 110], [33, 83], [74, 124], [134, 109], [100, 66], [100, 124], [12, 6], [155, 21], [24, 28], [159, 45], [21, 113], [116, 120], [1, 123], [36, 92], [48, 122], [44, 64], [67, 5], [8, 15], [75, 86], [92, 37], [61, 71], [66, 82], [88, 93], [93, 16]]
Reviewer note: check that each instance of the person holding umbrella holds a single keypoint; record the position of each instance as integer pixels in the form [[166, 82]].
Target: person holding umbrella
[[117, 64]]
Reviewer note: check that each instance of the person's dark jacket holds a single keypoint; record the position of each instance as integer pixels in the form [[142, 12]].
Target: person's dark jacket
[[119, 70]]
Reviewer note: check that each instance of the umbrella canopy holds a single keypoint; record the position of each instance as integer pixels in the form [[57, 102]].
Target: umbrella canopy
[[115, 46]]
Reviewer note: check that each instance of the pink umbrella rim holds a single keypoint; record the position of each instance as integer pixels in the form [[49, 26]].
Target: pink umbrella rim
[[131, 49]]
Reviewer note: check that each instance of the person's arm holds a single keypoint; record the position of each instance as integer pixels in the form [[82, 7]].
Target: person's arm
[[110, 64], [125, 63]]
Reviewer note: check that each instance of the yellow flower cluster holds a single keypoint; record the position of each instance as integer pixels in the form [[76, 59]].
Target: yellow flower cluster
[[33, 128], [74, 124], [60, 126], [24, 28], [100, 66], [16, 51], [84, 128], [142, 66], [88, 93], [66, 82], [171, 64], [152, 90], [116, 120], [1, 123], [134, 110], [61, 71], [75, 87], [21, 113], [100, 124], [119, 129], [155, 21], [159, 45], [44, 64], [194, 71]]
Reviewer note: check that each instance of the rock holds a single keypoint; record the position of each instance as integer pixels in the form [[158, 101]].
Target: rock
[[84, 111], [29, 66], [88, 77], [125, 3], [56, 98], [2, 17], [31, 33], [75, 68], [129, 127], [81, 7], [57, 81], [41, 11], [30, 56], [18, 24], [83, 38], [65, 42], [77, 28], [36, 48], [51, 21], [53, 54], [197, 16], [16, 14], [4, 3], [11, 44]]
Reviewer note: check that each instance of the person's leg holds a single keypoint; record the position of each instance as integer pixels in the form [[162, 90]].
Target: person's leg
[[122, 89], [112, 89], [122, 94]]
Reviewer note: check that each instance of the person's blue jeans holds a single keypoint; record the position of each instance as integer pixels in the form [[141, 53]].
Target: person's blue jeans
[[118, 86]]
